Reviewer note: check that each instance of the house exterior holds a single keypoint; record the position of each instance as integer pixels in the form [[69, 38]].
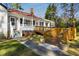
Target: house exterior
[[3, 21], [13, 23]]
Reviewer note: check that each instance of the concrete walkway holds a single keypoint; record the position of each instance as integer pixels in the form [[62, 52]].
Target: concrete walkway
[[44, 49]]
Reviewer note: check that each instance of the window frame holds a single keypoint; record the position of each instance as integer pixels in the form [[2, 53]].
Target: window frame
[[34, 23], [41, 23], [12, 21], [21, 21], [27, 22]]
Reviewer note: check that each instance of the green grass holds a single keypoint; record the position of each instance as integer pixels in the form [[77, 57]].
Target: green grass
[[74, 48], [77, 33], [73, 51], [14, 48]]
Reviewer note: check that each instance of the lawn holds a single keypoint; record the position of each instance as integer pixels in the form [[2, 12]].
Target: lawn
[[14, 48], [73, 51], [74, 48]]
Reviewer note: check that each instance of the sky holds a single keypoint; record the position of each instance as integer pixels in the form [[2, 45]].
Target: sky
[[39, 8]]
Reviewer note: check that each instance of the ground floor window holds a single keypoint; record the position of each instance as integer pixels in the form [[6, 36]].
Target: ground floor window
[[27, 22], [41, 23], [13, 21], [34, 23], [21, 21], [46, 24]]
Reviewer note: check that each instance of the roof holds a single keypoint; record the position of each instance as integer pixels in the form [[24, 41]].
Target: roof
[[3, 5], [22, 13]]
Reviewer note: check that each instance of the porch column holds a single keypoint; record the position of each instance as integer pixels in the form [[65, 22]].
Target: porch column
[[38, 23], [32, 21], [23, 22], [48, 24], [18, 24], [44, 25]]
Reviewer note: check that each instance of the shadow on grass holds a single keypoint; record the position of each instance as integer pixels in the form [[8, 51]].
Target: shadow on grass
[[14, 48]]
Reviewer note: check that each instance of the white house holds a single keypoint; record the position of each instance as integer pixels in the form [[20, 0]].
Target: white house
[[3, 21], [14, 22]]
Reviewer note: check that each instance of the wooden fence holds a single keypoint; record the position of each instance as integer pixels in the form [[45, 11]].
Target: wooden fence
[[66, 33]]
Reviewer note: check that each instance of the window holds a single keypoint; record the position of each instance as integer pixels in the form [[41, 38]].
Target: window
[[21, 20], [27, 22], [41, 23], [46, 24], [36, 23], [33, 22], [12, 21]]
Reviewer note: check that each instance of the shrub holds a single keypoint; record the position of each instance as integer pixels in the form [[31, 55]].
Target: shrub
[[37, 38]]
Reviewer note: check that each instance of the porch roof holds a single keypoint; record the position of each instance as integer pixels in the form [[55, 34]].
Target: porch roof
[[22, 13]]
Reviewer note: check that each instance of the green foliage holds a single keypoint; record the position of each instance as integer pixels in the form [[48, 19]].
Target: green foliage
[[51, 12], [16, 6], [77, 28], [60, 23], [64, 7], [37, 38], [72, 22], [75, 43], [63, 25], [68, 11]]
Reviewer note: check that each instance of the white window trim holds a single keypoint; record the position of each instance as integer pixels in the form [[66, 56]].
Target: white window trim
[[12, 17]]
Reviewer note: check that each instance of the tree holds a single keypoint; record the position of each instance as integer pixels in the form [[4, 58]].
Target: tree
[[64, 16], [74, 8], [13, 6], [51, 12], [69, 12], [16, 6], [64, 6]]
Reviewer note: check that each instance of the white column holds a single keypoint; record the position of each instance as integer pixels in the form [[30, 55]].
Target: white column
[[18, 24], [38, 23], [32, 21], [23, 22], [44, 23], [49, 24]]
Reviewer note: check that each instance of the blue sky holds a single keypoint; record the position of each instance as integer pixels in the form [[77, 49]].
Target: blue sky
[[39, 8]]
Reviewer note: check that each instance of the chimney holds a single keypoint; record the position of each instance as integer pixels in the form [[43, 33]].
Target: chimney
[[32, 11]]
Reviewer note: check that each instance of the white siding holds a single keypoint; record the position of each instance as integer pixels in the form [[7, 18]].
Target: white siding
[[4, 16]]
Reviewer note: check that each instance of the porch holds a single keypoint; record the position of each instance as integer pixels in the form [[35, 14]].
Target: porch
[[19, 25]]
